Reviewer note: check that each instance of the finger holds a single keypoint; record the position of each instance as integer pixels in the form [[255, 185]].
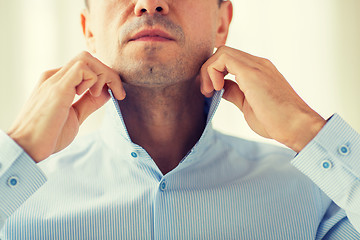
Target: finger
[[206, 85], [88, 81], [108, 76], [46, 75], [105, 74], [88, 104], [79, 76], [217, 71], [245, 57], [115, 85], [213, 70], [234, 94], [84, 56], [245, 75], [96, 89]]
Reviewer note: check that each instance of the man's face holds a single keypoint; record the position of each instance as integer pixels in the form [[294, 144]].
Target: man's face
[[153, 43]]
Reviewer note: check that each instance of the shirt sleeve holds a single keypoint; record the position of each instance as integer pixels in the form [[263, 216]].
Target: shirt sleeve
[[20, 177], [332, 161]]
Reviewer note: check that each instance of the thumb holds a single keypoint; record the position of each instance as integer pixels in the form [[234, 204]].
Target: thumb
[[88, 104], [233, 93]]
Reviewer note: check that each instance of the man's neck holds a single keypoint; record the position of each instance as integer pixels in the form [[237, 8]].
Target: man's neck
[[166, 122]]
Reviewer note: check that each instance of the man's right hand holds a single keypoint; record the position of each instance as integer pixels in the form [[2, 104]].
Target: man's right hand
[[50, 121]]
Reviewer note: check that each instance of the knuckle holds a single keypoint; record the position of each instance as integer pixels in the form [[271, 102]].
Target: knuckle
[[256, 72], [209, 68], [47, 74], [222, 48], [84, 55], [107, 76], [204, 67], [101, 81], [266, 62], [112, 81], [79, 64], [224, 57]]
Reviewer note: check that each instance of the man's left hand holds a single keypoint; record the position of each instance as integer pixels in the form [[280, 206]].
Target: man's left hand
[[270, 105]]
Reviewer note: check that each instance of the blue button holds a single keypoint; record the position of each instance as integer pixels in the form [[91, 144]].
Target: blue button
[[344, 150], [163, 185], [326, 164], [134, 155], [13, 181]]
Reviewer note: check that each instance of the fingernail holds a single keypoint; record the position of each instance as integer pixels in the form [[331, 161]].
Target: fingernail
[[209, 94], [123, 95]]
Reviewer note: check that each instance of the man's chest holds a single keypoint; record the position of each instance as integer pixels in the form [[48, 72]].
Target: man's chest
[[266, 208]]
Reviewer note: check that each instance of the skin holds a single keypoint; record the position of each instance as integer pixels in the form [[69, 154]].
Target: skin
[[165, 82], [161, 79]]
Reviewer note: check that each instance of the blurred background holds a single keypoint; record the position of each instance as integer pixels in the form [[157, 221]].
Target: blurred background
[[314, 44]]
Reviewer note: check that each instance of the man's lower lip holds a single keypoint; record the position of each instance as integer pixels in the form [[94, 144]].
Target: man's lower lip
[[151, 39]]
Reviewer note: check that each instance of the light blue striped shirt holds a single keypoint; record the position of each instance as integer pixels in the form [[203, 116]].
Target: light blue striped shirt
[[103, 186]]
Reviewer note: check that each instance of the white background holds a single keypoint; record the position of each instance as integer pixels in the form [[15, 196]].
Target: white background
[[314, 44]]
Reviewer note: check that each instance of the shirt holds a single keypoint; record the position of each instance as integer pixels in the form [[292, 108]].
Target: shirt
[[103, 186]]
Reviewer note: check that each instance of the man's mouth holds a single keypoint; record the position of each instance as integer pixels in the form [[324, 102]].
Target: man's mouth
[[153, 35]]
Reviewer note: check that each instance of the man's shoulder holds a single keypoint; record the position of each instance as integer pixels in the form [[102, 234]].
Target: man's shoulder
[[264, 165], [254, 150], [74, 154]]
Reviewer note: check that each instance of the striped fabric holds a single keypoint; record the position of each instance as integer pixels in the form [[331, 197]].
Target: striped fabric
[[103, 186]]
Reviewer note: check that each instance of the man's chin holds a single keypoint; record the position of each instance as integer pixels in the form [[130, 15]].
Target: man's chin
[[157, 74], [157, 52]]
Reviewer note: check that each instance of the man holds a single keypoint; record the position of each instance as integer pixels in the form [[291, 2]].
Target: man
[[156, 169]]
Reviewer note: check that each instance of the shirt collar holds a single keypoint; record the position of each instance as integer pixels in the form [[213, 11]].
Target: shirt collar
[[114, 131]]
